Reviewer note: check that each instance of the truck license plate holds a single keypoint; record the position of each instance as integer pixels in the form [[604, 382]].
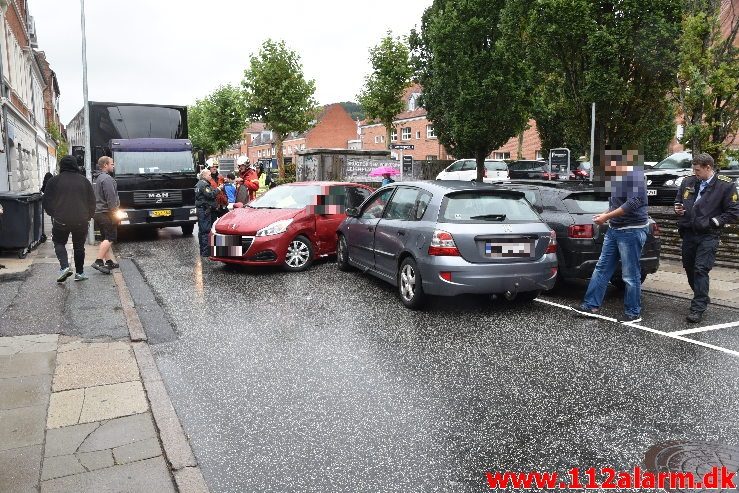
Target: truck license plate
[[651, 192], [161, 213]]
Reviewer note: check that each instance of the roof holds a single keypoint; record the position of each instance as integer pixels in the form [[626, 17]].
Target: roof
[[324, 183], [445, 186]]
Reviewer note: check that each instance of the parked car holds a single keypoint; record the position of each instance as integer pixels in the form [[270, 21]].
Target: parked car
[[450, 238], [582, 172], [532, 170], [466, 170], [665, 178], [568, 208], [291, 225]]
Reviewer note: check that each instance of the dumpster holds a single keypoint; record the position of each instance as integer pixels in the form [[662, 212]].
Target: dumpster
[[18, 222]]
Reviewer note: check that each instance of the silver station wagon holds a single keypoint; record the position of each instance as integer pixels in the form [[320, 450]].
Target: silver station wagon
[[449, 238]]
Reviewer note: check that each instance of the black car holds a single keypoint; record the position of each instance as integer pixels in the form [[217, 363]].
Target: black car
[[568, 208], [664, 179], [530, 170]]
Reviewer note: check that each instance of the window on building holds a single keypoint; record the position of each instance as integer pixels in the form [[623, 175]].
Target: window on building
[[501, 155], [379, 139], [538, 154], [431, 157], [413, 101], [406, 133], [418, 134], [430, 132], [393, 135]]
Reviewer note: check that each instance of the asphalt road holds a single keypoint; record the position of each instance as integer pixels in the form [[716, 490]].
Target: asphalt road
[[322, 381]]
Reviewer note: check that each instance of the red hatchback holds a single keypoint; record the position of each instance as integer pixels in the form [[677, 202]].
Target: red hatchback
[[290, 225]]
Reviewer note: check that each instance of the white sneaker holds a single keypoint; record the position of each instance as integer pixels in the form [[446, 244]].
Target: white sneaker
[[81, 277], [64, 274]]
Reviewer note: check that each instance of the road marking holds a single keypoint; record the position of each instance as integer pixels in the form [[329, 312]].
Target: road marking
[[673, 335], [704, 329]]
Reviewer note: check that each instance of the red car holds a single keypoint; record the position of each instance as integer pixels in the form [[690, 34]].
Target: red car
[[291, 225]]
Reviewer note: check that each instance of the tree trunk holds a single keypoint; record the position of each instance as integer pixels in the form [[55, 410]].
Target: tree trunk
[[480, 161], [519, 150], [280, 159], [388, 131]]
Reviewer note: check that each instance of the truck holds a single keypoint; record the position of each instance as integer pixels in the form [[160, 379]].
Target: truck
[[154, 166]]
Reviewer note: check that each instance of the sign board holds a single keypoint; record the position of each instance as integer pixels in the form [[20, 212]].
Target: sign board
[[227, 164], [559, 162], [405, 147], [408, 166]]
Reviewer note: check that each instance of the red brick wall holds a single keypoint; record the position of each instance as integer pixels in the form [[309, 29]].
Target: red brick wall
[[16, 24], [531, 144], [334, 129], [423, 146]]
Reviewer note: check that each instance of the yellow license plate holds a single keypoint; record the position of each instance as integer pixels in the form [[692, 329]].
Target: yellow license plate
[[161, 213]]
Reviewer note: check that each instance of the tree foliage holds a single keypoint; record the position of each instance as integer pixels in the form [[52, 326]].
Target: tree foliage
[[277, 93], [475, 81], [381, 96], [708, 77], [620, 54], [217, 122], [62, 146]]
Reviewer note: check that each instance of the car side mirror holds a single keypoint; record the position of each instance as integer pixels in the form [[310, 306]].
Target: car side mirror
[[352, 212]]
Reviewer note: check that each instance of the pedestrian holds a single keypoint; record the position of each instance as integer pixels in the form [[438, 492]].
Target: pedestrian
[[205, 203], [242, 192], [70, 201], [216, 180], [229, 189], [386, 180], [251, 181], [48, 176], [628, 224], [242, 169], [106, 207], [705, 202]]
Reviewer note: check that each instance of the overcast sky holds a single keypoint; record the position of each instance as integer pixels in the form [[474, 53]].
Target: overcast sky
[[176, 51]]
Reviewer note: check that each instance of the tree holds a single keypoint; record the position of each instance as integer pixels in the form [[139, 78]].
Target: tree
[[475, 83], [708, 77], [620, 54], [217, 122], [382, 94], [62, 146], [277, 93]]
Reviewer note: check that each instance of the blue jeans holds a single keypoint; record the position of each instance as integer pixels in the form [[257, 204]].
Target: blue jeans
[[626, 245]]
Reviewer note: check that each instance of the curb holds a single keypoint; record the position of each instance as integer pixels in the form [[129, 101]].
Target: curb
[[183, 465], [687, 297]]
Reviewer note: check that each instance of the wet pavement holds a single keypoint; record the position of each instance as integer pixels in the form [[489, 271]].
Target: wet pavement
[[322, 381]]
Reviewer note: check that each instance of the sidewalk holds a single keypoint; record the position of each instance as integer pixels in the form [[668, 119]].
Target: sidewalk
[[82, 405], [671, 280]]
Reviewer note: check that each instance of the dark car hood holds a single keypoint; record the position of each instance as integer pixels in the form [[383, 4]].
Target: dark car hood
[[668, 172], [248, 220]]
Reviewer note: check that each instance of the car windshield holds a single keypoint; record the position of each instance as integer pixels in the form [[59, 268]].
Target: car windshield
[[288, 197], [139, 163], [587, 203], [674, 163], [496, 166], [482, 206]]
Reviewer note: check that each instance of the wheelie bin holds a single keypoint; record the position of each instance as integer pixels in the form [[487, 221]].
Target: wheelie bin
[[17, 223]]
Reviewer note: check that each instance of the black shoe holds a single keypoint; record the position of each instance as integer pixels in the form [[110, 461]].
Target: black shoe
[[629, 318], [99, 266], [111, 265], [694, 317]]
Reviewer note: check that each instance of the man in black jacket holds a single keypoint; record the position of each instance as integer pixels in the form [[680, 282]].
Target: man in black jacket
[[70, 201], [705, 203]]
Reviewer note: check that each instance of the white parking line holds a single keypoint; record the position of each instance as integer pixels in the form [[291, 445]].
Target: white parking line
[[673, 335]]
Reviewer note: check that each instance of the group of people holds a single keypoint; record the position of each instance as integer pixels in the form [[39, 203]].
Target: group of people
[[705, 203], [215, 194]]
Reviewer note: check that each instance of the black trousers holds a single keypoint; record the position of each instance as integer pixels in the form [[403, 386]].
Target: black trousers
[[60, 235], [205, 221], [699, 255]]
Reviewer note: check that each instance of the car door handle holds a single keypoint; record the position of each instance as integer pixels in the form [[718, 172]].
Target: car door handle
[[401, 232], [370, 228]]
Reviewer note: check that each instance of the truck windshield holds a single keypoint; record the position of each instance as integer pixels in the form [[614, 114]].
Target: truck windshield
[[139, 163]]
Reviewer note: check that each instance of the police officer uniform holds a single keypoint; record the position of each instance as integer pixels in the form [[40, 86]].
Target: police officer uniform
[[205, 203], [709, 205]]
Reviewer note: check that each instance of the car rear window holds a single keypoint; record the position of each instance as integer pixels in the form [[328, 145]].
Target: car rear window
[[586, 203], [496, 166], [482, 206]]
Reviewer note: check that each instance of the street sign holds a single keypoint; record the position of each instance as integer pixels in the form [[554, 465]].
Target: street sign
[[405, 147], [408, 166], [559, 162]]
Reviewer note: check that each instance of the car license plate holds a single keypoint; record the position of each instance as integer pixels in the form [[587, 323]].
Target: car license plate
[[507, 249], [161, 213], [651, 192]]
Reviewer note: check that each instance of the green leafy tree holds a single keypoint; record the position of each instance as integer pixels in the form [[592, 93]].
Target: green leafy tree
[[708, 78], [62, 146], [277, 93], [475, 81], [619, 54], [217, 122], [381, 96]]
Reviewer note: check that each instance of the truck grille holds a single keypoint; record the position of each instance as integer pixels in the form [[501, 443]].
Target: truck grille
[[157, 197]]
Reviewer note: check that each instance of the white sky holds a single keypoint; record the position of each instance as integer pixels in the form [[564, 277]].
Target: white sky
[[176, 51]]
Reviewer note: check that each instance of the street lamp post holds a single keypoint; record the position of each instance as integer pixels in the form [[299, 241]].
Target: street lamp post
[[86, 113]]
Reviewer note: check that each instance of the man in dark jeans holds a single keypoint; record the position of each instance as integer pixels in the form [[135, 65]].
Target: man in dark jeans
[[205, 202], [106, 205], [70, 201]]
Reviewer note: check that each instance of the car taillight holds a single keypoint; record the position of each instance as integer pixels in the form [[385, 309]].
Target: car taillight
[[442, 244], [655, 230], [552, 247], [580, 231]]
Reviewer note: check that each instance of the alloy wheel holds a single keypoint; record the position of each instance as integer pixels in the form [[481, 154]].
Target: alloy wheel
[[298, 254], [408, 282]]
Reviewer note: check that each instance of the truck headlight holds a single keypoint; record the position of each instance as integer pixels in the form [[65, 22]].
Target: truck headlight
[[120, 215], [275, 228]]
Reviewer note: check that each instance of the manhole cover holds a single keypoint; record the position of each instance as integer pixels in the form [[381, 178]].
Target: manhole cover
[[698, 458]]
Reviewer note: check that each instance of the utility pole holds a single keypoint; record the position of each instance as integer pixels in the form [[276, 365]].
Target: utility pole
[[86, 113], [592, 142]]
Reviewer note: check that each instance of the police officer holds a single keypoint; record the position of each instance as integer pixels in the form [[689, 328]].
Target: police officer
[[205, 202], [705, 203]]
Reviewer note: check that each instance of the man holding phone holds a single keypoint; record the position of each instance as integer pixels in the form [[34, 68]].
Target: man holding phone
[[705, 203]]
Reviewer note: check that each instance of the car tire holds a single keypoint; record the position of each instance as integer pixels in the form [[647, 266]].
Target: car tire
[[299, 255], [410, 286], [619, 283], [526, 296], [342, 254], [187, 229]]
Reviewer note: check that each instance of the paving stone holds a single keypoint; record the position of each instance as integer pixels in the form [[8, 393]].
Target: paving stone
[[65, 408], [66, 441], [97, 460], [190, 480], [28, 344], [145, 449], [22, 427], [82, 367], [63, 465], [19, 469], [113, 401], [20, 365], [24, 391], [119, 432], [146, 476]]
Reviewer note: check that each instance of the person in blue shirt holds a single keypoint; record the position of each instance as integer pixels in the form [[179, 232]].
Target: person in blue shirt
[[229, 188], [386, 180], [628, 229]]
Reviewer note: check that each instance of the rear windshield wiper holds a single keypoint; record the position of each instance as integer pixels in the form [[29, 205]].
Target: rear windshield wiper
[[490, 217]]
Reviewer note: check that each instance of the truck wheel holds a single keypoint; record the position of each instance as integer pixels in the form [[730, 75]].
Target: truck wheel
[[187, 229]]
